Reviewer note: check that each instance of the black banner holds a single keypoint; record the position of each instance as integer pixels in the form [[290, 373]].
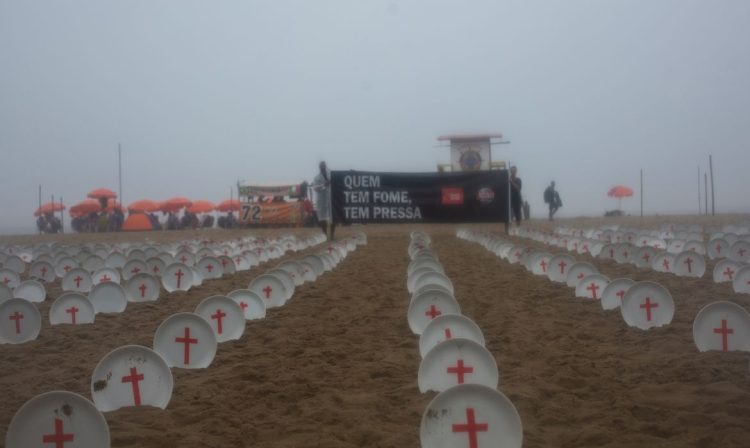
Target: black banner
[[375, 197]]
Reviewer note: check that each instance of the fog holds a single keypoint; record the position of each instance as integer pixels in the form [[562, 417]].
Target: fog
[[201, 94]]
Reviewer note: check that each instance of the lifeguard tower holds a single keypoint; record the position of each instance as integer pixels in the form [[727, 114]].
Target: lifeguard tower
[[471, 152]]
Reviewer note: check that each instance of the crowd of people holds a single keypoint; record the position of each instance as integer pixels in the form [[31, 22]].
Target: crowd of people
[[112, 222], [321, 214], [49, 223], [98, 222]]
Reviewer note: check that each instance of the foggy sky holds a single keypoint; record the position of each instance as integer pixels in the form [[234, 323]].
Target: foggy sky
[[203, 93]]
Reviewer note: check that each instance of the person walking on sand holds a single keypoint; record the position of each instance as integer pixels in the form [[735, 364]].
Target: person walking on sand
[[321, 185], [552, 198], [516, 201]]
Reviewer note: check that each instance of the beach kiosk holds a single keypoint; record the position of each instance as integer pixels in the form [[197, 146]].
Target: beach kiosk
[[277, 205]]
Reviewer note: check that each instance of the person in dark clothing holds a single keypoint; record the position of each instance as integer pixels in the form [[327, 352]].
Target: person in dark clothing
[[154, 221], [552, 198], [230, 221], [173, 222], [526, 211], [115, 220], [41, 224], [55, 225], [516, 201]]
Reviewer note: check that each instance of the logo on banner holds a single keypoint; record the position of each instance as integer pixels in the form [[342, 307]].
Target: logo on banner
[[471, 160], [486, 195], [453, 196]]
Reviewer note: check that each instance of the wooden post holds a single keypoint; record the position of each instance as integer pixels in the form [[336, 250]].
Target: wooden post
[[39, 231], [641, 192], [700, 209], [705, 186], [62, 216], [711, 168]]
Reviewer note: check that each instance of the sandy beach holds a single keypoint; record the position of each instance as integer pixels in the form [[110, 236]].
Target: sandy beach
[[337, 366]]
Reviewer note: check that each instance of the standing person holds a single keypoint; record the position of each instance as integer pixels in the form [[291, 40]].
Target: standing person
[[321, 185], [552, 198], [41, 224], [516, 201]]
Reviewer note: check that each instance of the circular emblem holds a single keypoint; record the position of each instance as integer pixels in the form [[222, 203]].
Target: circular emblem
[[486, 195], [470, 160]]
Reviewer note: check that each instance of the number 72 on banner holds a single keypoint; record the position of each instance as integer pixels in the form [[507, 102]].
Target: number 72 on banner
[[250, 212]]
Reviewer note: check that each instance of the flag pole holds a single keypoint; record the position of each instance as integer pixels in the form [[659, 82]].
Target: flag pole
[[119, 173]]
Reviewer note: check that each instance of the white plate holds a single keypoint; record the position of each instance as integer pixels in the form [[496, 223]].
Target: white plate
[[434, 278], [741, 282], [295, 270], [689, 264], [448, 326], [31, 290], [252, 305], [42, 270], [71, 308], [133, 267], [9, 278], [578, 271], [317, 264], [20, 321], [614, 293], [559, 266], [177, 277], [457, 361], [5, 293], [286, 279], [428, 305], [77, 280], [269, 288], [725, 269], [142, 288], [723, 326], [108, 298], [592, 286], [209, 267], [647, 305], [469, 412], [225, 317], [58, 419], [104, 275], [131, 375], [186, 340]]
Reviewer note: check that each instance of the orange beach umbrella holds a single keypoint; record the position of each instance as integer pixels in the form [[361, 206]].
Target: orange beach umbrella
[[620, 191], [229, 205], [100, 193], [85, 207], [49, 207], [175, 204], [201, 207], [143, 206]]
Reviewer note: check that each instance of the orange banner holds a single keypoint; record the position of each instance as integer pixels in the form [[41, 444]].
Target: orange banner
[[272, 213]]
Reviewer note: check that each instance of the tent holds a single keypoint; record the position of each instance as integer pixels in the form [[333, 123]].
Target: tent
[[137, 222]]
